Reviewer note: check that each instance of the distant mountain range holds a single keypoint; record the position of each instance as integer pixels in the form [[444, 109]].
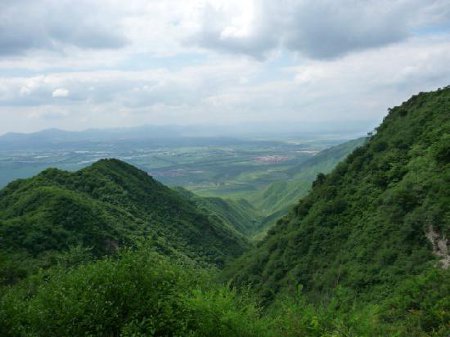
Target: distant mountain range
[[163, 135], [226, 133]]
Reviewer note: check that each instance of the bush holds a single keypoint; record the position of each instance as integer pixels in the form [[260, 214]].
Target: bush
[[139, 294]]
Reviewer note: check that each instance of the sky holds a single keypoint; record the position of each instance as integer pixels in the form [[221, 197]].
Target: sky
[[83, 64]]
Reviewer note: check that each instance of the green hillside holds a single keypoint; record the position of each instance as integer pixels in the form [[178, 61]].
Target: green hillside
[[287, 192], [100, 209], [278, 198], [261, 208], [238, 214], [270, 194], [379, 217]]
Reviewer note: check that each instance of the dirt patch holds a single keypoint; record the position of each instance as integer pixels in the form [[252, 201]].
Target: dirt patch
[[440, 246]]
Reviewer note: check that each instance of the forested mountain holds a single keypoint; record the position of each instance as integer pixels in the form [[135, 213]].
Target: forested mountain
[[380, 217], [280, 196], [102, 208], [287, 192], [238, 214]]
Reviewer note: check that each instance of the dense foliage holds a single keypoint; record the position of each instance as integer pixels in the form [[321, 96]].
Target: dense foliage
[[283, 194], [135, 294], [141, 293], [237, 214], [277, 199], [364, 226], [101, 208]]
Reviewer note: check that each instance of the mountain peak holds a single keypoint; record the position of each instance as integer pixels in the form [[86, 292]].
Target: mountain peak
[[109, 202]]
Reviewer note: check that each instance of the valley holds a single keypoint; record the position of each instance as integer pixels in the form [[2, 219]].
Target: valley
[[251, 172]]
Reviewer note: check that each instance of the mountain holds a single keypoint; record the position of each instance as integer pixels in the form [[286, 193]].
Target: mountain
[[238, 214], [103, 207], [157, 133], [124, 138], [297, 179], [280, 196], [49, 137], [380, 217], [106, 140]]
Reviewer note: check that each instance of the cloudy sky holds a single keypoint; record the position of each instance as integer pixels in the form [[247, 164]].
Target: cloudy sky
[[77, 64]]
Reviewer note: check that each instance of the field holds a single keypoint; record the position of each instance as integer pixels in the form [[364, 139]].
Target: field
[[207, 166]]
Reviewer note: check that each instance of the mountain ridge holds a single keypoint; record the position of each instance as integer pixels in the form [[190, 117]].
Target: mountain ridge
[[103, 207]]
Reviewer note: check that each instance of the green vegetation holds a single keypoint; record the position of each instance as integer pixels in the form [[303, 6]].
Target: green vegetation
[[101, 208], [270, 175], [276, 200], [287, 192], [253, 201], [142, 293], [135, 294], [237, 214]]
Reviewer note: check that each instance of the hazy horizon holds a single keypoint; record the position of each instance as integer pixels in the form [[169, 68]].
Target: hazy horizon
[[341, 130]]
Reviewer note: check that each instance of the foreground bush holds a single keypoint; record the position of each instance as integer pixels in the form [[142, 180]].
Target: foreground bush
[[140, 294]]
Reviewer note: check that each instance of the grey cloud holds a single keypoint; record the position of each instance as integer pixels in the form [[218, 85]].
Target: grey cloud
[[326, 29], [53, 25], [322, 29], [262, 38]]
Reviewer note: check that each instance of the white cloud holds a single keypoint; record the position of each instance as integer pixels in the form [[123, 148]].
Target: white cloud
[[60, 92]]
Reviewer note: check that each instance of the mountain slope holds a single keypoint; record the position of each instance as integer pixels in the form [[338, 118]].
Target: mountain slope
[[238, 214], [277, 199], [103, 207], [252, 217], [369, 223], [283, 194]]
